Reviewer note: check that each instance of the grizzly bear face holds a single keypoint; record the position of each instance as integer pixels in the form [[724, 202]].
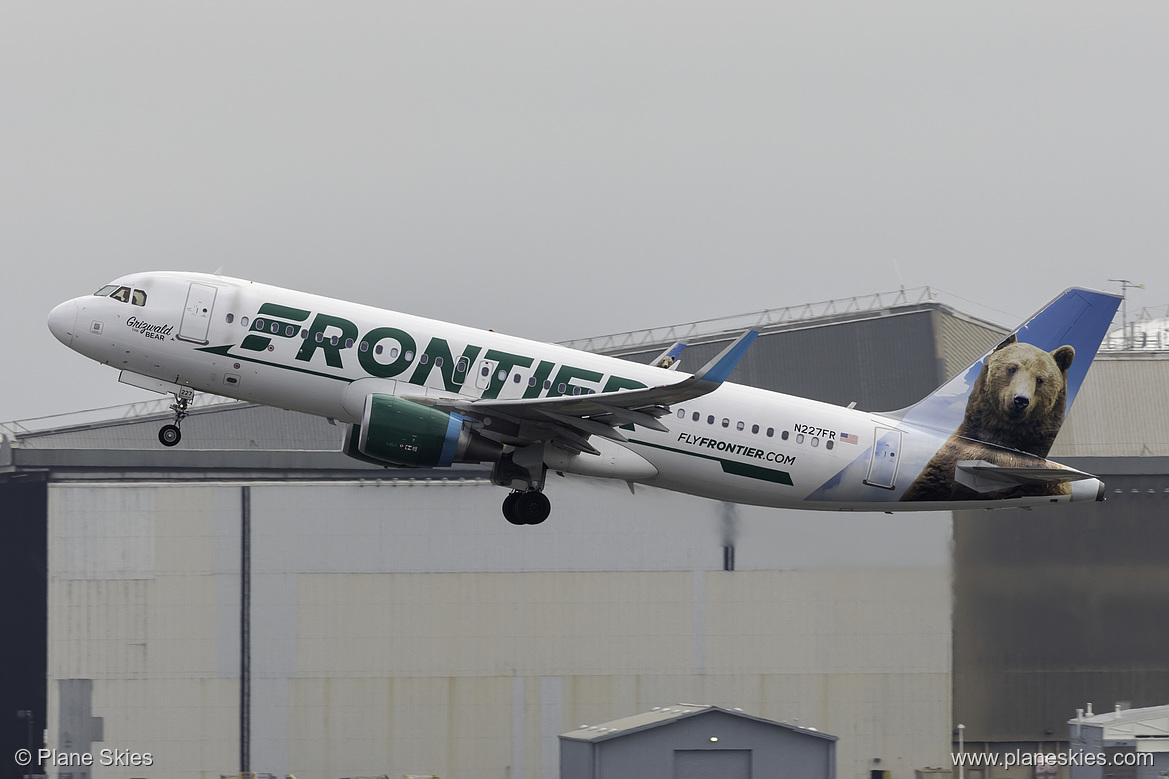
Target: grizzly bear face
[[1024, 381], [1019, 398]]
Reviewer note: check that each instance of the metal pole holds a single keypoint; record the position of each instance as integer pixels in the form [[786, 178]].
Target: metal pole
[[245, 632], [961, 749]]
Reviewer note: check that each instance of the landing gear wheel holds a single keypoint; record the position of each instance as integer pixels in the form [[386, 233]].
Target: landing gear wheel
[[509, 508], [533, 507], [169, 435]]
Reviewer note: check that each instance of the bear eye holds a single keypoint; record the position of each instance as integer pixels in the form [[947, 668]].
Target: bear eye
[[1039, 382], [1011, 370]]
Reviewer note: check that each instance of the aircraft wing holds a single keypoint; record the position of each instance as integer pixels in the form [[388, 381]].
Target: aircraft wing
[[569, 420]]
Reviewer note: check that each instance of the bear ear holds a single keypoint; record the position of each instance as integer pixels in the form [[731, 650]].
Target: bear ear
[[1063, 357], [1010, 339]]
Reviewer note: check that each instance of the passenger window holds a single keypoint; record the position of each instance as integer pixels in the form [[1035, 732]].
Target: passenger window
[[681, 413], [230, 318], [461, 365], [739, 426], [290, 330], [799, 438], [771, 432], [437, 362], [107, 289], [815, 441], [377, 349], [516, 378], [828, 444], [561, 387], [423, 358], [138, 298], [364, 346], [754, 428], [547, 384], [320, 338], [409, 355], [243, 321], [710, 419], [334, 340], [122, 295], [695, 417], [275, 328], [532, 382], [303, 334], [782, 435], [726, 422], [501, 375], [394, 353]]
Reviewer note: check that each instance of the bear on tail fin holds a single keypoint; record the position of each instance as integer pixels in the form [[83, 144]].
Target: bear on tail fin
[[1017, 403]]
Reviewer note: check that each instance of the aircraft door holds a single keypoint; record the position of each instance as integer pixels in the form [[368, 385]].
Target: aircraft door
[[483, 373], [883, 465], [197, 313]]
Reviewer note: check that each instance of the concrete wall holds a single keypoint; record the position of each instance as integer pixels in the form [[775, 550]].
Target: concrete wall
[[409, 629]]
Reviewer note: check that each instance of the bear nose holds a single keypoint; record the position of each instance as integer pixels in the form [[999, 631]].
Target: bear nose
[[1022, 401]]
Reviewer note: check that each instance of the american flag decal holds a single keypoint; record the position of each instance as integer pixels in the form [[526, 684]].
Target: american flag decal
[[849, 438]]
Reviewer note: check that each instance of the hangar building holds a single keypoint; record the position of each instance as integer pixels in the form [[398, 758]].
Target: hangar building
[[391, 622]]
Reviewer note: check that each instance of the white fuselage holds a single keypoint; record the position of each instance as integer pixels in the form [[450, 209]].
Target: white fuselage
[[322, 356]]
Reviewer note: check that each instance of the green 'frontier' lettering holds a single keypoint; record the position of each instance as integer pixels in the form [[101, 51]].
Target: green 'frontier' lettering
[[565, 376], [506, 362], [320, 324], [452, 378], [368, 359]]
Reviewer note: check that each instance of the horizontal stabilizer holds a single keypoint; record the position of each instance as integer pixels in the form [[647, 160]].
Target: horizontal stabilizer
[[981, 476]]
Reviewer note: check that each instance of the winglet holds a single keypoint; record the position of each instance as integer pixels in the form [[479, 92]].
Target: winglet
[[718, 369], [669, 358]]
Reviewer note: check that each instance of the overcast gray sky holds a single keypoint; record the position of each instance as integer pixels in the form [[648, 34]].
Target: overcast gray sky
[[559, 170]]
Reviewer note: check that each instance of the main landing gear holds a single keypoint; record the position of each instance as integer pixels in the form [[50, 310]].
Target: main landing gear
[[523, 471], [170, 435], [526, 508]]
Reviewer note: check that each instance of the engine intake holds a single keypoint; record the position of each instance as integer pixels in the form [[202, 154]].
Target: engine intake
[[396, 431]]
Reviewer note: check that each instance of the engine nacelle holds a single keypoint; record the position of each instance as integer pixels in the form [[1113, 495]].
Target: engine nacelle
[[396, 431]]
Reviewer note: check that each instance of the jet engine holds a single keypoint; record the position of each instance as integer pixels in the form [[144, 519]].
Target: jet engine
[[396, 431]]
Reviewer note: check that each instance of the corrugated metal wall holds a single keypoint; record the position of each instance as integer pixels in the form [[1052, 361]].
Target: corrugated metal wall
[[409, 629], [884, 361], [1056, 609]]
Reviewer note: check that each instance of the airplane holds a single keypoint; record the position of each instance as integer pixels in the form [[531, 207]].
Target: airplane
[[415, 392]]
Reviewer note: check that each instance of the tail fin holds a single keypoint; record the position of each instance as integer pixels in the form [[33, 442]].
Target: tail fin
[[1069, 329]]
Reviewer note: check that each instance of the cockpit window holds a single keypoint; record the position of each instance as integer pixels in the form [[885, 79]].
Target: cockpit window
[[138, 298], [107, 289], [123, 294]]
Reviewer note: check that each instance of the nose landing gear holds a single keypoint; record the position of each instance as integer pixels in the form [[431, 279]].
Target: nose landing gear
[[170, 435]]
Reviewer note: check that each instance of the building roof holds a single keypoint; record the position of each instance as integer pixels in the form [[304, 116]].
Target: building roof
[[667, 714], [1149, 722]]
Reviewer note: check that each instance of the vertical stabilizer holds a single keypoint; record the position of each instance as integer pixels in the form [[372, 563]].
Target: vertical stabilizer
[[1014, 380]]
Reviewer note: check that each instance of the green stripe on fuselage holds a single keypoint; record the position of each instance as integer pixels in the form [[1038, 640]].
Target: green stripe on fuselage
[[733, 467]]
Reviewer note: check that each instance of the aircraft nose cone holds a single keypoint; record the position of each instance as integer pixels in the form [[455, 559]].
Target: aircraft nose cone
[[63, 321]]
